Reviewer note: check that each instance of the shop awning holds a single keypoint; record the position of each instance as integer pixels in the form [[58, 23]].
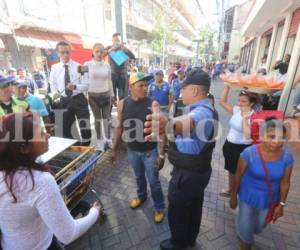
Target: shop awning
[[38, 39], [261, 18]]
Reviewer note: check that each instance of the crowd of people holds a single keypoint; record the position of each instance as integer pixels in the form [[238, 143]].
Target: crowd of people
[[33, 213]]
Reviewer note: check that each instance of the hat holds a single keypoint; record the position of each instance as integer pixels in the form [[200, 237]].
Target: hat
[[5, 81], [21, 83], [159, 72], [12, 70], [196, 77], [137, 77]]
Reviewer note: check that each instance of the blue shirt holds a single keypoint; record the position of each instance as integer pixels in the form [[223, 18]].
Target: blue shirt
[[253, 188], [36, 105], [201, 113], [160, 93], [176, 85]]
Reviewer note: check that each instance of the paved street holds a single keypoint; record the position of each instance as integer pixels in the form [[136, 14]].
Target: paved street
[[128, 229]]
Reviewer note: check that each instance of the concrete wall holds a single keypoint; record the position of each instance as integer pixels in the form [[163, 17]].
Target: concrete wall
[[234, 46]]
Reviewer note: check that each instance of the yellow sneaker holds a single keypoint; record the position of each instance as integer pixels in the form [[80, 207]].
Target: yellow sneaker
[[159, 216], [135, 203]]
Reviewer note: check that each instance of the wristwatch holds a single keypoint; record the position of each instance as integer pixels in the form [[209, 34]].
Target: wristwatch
[[283, 204]]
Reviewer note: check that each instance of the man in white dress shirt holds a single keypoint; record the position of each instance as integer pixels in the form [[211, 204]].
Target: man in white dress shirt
[[65, 81]]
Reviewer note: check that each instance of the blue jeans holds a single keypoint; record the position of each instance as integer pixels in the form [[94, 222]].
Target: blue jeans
[[144, 163], [297, 96], [250, 221]]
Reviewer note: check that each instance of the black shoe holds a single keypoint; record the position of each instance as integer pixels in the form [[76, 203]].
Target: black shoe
[[168, 245]]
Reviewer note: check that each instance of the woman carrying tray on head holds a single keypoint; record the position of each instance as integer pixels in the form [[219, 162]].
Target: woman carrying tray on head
[[238, 137], [32, 209]]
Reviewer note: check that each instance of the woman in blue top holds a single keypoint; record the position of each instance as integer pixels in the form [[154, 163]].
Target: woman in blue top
[[251, 185]]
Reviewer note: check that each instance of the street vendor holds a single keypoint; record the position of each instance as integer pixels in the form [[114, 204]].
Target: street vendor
[[33, 212], [9, 103]]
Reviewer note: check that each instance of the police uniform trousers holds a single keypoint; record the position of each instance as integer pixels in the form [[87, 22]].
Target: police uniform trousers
[[185, 195]]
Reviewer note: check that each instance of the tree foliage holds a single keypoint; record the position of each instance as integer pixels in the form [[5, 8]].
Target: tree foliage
[[207, 46], [162, 33]]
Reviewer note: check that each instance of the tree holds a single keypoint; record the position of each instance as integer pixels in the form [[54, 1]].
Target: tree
[[207, 46], [162, 34]]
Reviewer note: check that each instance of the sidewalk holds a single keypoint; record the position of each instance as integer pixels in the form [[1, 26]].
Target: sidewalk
[[128, 229]]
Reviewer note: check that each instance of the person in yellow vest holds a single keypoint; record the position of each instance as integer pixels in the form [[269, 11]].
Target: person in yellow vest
[[9, 103]]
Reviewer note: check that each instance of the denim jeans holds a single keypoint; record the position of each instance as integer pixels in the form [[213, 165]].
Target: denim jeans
[[297, 96], [250, 221], [143, 164]]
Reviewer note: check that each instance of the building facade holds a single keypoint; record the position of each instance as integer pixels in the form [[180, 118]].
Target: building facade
[[273, 37]]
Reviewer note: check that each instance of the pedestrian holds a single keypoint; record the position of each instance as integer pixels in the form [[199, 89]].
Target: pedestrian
[[176, 84], [32, 208], [9, 103], [12, 72], [35, 103], [239, 136], [40, 78], [282, 66], [262, 182], [66, 83], [191, 155], [119, 72], [101, 94], [296, 102], [142, 155], [23, 76], [160, 91], [262, 67]]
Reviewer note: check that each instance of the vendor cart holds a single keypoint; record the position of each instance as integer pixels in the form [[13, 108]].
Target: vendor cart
[[74, 168]]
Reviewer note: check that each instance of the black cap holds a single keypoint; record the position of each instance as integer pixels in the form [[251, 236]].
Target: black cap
[[196, 77]]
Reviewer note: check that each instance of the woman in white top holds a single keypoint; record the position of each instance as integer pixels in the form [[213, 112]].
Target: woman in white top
[[238, 137], [31, 207], [101, 94]]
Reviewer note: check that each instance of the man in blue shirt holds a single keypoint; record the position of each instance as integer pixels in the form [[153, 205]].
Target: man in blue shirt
[[190, 152], [176, 84], [36, 104], [160, 91], [31, 85]]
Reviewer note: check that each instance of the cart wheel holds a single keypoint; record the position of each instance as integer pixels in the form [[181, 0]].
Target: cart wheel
[[82, 208]]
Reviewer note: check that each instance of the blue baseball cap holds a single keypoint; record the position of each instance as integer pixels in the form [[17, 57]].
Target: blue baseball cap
[[6, 81]]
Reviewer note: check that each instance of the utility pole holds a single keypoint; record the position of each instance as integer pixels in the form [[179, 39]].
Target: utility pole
[[84, 16]]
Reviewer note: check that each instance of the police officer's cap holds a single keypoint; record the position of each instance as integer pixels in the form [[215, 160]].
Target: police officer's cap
[[5, 81], [196, 77]]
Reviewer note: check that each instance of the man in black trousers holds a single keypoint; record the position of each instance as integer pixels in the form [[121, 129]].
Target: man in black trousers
[[66, 83], [190, 153], [119, 73]]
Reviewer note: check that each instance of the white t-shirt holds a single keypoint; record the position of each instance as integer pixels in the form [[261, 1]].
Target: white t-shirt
[[38, 214], [236, 134]]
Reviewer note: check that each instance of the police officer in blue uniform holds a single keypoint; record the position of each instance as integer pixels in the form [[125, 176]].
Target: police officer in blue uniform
[[176, 84], [190, 154], [160, 91]]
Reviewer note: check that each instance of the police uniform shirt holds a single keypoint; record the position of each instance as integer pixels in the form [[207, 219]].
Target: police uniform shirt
[[199, 112], [160, 93], [176, 87]]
